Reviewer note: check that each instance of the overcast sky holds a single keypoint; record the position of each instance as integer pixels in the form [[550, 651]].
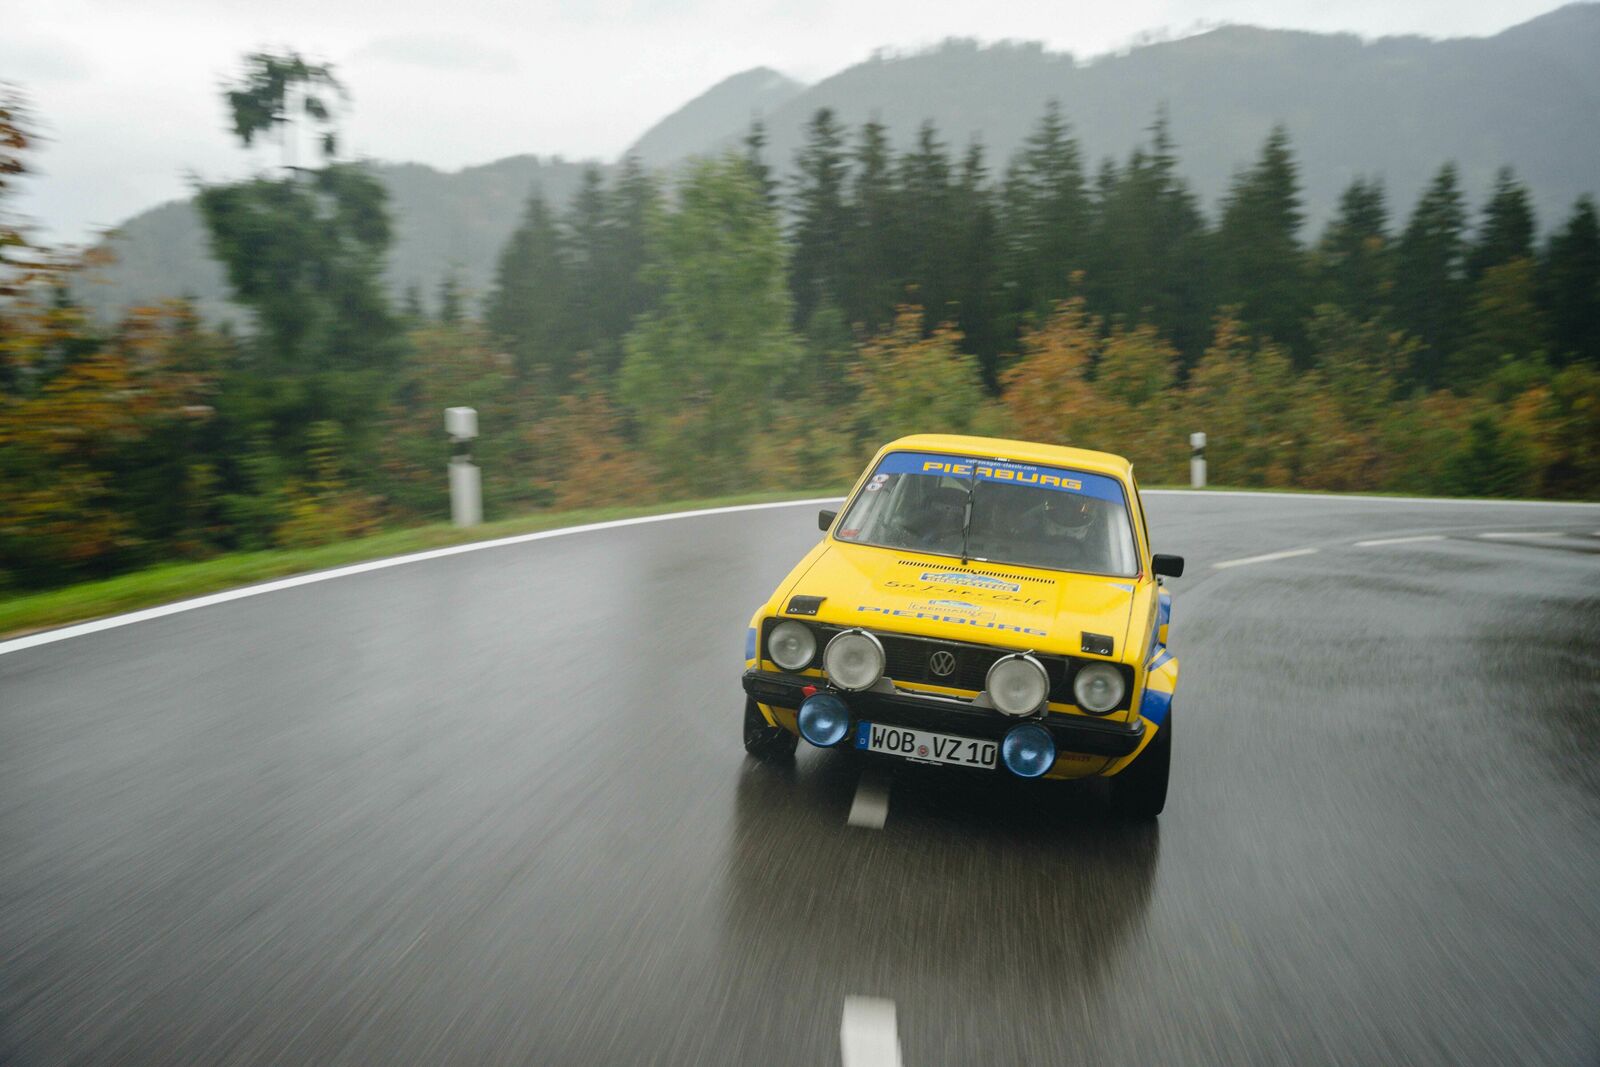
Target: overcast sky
[[126, 90]]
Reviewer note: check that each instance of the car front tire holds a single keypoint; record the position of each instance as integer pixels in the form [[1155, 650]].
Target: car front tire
[[1140, 791], [764, 741]]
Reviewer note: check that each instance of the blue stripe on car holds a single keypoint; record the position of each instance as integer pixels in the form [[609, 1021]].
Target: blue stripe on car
[[750, 643], [1155, 706]]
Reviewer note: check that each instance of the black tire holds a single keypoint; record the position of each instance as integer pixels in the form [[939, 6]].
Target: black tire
[[763, 741], [1140, 791]]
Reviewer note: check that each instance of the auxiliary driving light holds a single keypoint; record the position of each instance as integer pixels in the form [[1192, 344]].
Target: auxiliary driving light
[[1098, 687], [823, 719], [854, 660], [1028, 750], [1017, 685], [792, 645]]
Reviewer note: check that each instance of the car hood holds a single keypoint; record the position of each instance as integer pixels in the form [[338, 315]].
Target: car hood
[[990, 603]]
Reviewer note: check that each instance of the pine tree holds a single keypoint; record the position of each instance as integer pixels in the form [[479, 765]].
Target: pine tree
[[450, 303], [1353, 260], [631, 210], [1506, 232], [926, 247], [1046, 215], [1260, 266], [875, 283], [585, 230], [1430, 295], [1569, 287], [528, 306], [755, 143], [821, 220], [976, 275], [1147, 261]]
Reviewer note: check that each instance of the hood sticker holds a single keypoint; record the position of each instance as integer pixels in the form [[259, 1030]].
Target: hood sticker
[[977, 581], [943, 616]]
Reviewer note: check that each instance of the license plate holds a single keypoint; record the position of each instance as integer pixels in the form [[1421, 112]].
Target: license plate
[[924, 746]]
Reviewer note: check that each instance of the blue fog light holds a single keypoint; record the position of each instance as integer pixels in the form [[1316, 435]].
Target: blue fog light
[[1028, 750], [824, 720]]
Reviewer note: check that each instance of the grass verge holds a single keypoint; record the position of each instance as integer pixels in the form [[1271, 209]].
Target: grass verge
[[178, 581]]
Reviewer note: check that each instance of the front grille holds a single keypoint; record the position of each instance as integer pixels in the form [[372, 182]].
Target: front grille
[[909, 659]]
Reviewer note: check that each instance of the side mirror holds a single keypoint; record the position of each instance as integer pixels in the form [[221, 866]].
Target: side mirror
[[1171, 566], [825, 519]]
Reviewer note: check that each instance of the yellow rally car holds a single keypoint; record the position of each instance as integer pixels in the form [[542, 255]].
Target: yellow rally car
[[979, 603]]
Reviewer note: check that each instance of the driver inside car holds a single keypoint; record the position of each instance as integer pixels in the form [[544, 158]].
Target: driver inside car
[[935, 524]]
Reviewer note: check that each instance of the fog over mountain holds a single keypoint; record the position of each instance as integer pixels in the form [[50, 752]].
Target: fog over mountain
[[1393, 107]]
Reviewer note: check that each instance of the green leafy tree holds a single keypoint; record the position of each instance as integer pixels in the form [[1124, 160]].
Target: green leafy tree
[[305, 252], [1504, 325], [700, 372]]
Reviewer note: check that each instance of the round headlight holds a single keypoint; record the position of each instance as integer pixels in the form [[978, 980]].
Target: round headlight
[[853, 660], [792, 645], [1017, 685], [1098, 687]]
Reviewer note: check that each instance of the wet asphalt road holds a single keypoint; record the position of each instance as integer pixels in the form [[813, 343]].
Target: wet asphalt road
[[493, 809]]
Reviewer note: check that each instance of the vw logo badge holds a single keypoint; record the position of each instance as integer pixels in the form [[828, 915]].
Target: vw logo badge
[[942, 663]]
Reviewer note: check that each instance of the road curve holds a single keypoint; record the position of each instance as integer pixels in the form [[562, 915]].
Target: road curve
[[492, 808]]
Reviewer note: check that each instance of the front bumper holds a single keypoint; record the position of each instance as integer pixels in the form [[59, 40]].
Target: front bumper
[[925, 711]]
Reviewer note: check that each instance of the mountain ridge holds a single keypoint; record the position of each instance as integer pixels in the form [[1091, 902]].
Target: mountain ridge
[[1391, 107]]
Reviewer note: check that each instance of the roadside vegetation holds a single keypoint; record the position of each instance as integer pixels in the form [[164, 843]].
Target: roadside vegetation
[[168, 582], [724, 332]]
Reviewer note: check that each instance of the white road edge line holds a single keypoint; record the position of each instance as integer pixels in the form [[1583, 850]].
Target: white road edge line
[[82, 629], [1268, 558], [1517, 536], [95, 626], [870, 809], [1400, 540], [868, 1033]]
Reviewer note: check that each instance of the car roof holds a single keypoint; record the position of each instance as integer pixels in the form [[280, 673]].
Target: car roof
[[1016, 451]]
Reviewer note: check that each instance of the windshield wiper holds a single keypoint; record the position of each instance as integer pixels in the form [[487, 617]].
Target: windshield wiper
[[966, 517]]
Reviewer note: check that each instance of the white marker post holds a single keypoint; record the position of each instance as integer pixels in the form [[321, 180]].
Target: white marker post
[[1197, 461], [466, 485]]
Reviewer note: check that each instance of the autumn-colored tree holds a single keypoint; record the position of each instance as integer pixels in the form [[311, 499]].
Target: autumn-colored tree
[[96, 457], [591, 461], [911, 383], [1047, 395]]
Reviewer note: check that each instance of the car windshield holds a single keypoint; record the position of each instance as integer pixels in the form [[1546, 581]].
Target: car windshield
[[1022, 514]]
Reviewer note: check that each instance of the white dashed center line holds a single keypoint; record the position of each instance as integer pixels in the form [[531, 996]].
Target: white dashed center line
[[1400, 540], [1517, 536], [868, 1036], [871, 805], [1268, 558]]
